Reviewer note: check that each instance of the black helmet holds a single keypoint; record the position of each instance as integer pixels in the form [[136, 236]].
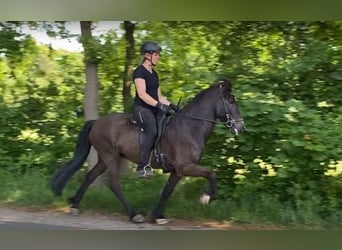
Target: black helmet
[[150, 47]]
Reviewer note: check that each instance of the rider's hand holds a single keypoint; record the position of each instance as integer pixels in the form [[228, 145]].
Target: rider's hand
[[165, 108], [174, 107]]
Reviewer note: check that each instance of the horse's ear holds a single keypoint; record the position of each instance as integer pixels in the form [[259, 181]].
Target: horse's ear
[[225, 84]]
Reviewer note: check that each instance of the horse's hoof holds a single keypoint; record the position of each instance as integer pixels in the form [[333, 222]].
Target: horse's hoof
[[204, 199], [74, 211], [162, 221], [138, 219]]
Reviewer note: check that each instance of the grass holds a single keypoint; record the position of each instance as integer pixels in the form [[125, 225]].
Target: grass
[[31, 190]]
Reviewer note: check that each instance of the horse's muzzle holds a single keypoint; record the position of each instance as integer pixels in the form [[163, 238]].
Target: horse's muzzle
[[237, 126]]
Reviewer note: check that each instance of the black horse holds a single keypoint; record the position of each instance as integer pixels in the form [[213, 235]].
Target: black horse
[[115, 137]]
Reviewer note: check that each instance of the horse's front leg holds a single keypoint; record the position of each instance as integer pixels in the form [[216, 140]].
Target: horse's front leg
[[196, 170], [158, 212]]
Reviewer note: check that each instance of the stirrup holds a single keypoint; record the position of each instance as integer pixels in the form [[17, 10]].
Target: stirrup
[[146, 172], [148, 166]]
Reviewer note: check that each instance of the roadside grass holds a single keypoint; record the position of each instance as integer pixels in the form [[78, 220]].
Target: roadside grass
[[31, 190]]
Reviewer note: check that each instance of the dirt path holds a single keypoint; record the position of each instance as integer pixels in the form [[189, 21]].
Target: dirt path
[[87, 221]]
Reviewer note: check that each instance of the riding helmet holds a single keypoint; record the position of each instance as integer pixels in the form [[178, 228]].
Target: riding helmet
[[150, 47]]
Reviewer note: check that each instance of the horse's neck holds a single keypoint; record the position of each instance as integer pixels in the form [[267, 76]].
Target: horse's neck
[[203, 107], [195, 120]]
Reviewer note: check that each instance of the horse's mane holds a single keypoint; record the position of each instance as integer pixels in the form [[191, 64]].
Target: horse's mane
[[197, 101], [203, 95], [199, 96], [204, 92]]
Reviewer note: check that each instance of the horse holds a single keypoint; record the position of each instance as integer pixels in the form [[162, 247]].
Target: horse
[[115, 137]]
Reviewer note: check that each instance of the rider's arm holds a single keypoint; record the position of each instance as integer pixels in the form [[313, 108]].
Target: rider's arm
[[162, 98], [140, 86]]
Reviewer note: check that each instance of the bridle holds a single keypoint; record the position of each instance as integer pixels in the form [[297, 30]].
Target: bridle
[[229, 123]]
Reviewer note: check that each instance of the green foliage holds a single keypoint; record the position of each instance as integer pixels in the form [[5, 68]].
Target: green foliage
[[111, 71], [35, 94]]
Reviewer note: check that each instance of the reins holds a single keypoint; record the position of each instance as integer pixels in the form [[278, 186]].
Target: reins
[[198, 118], [229, 123]]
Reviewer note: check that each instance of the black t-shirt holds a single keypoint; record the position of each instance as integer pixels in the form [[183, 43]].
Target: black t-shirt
[[152, 84]]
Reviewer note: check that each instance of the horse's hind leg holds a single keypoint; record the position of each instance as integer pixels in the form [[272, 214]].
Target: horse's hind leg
[[113, 169], [75, 200], [158, 211]]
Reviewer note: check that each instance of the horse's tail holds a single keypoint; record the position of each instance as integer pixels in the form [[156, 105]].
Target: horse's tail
[[62, 175]]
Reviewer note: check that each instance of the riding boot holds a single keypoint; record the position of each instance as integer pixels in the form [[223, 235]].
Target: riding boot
[[160, 157], [157, 151], [144, 168]]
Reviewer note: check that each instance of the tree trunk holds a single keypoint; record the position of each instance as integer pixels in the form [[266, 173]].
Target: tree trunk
[[127, 79], [91, 86], [91, 93]]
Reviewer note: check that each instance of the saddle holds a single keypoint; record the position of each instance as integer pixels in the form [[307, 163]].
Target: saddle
[[159, 156]]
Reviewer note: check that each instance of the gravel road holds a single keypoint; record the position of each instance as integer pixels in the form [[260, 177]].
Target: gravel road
[[18, 218], [31, 219]]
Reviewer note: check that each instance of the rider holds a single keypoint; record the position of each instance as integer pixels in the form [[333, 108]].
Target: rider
[[149, 104]]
